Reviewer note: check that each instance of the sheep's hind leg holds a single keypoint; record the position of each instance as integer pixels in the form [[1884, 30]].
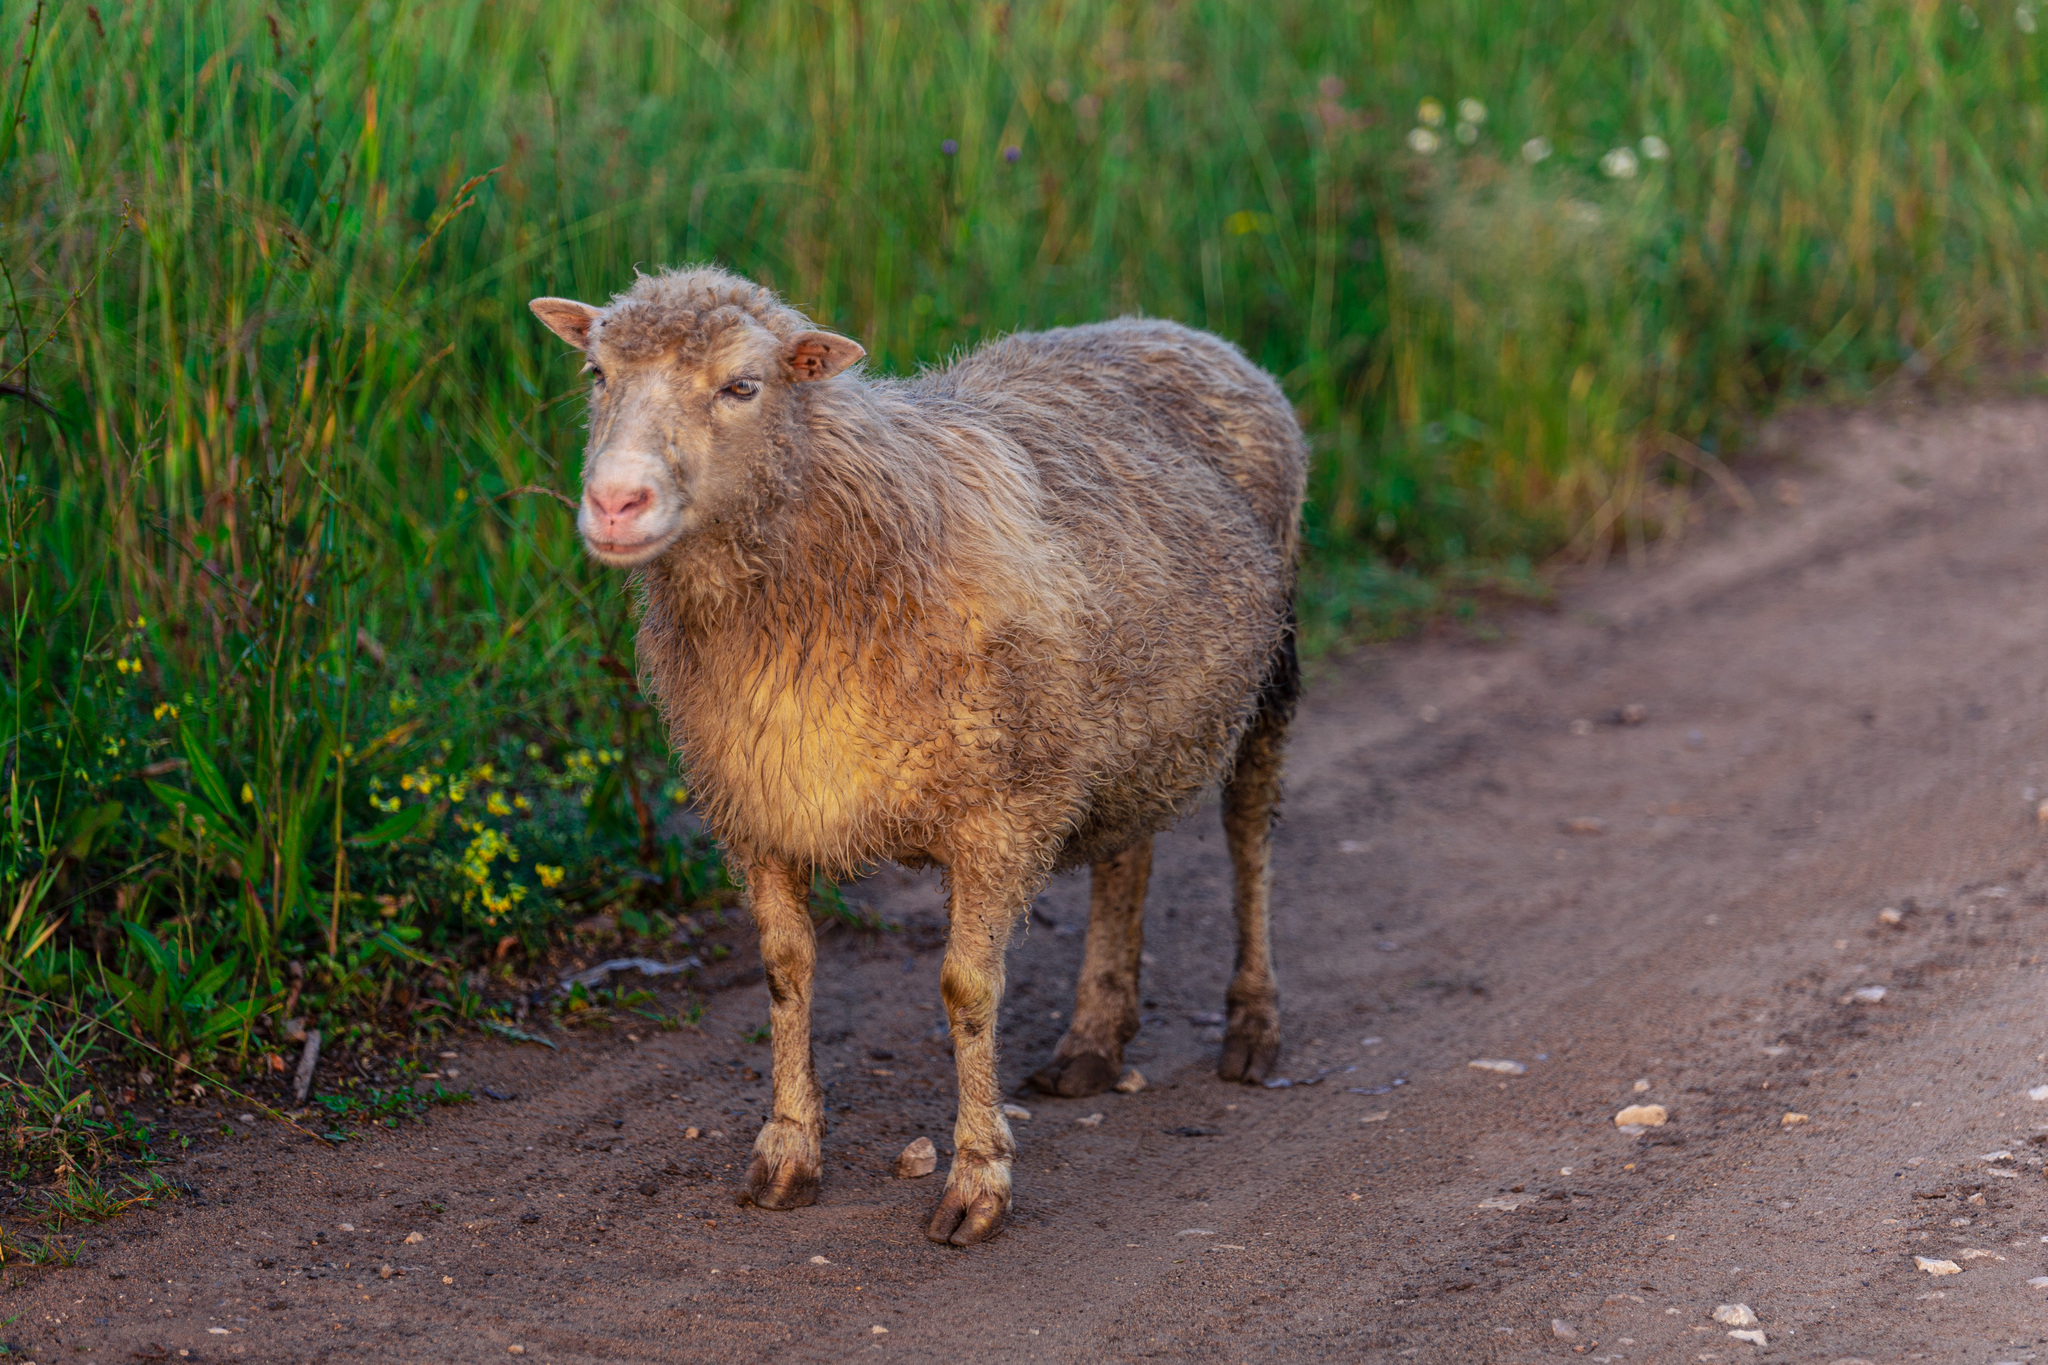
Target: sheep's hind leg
[[1090, 1058], [977, 1197], [1251, 1038], [789, 1151]]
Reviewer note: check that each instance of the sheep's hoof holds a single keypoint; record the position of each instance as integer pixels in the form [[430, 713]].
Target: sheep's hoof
[[786, 1184], [1084, 1073], [1251, 1044], [787, 1169], [976, 1202]]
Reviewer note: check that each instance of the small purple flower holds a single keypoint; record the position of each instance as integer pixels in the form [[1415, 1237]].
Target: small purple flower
[[1012, 153], [949, 147]]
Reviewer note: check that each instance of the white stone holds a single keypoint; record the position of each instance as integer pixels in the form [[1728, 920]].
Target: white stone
[[1017, 1112], [1499, 1064], [1757, 1338], [1735, 1315], [1133, 1081], [1642, 1116], [919, 1159], [1937, 1267]]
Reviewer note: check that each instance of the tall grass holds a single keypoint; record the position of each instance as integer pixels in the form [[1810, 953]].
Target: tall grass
[[307, 683]]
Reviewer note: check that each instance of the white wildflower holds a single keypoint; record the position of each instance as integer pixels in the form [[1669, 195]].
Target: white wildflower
[[1968, 16], [1471, 111], [1619, 164], [1430, 113], [1468, 133], [2023, 19], [1655, 148], [1423, 142], [1536, 149]]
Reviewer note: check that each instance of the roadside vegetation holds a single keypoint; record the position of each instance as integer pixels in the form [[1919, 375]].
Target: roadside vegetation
[[313, 714]]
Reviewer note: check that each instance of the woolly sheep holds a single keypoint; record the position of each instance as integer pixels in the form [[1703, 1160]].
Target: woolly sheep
[[1008, 617]]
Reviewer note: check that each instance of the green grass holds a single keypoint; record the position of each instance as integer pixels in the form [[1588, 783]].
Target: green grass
[[312, 707]]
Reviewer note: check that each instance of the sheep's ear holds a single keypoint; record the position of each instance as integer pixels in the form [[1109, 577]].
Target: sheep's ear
[[566, 318], [819, 355]]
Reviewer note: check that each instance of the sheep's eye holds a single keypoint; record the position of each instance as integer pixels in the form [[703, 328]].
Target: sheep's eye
[[742, 389]]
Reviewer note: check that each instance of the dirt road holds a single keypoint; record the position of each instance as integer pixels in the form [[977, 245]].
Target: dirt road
[[1845, 700]]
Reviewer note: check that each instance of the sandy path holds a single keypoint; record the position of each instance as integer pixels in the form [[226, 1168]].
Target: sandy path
[[1845, 711]]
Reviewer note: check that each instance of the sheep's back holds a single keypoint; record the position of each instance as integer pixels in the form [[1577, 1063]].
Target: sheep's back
[[1172, 474]]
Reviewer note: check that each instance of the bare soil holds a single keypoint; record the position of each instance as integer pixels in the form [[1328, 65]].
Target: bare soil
[[1843, 700]]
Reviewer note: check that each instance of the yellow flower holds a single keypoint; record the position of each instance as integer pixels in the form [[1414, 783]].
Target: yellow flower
[[1430, 113], [550, 877], [164, 708], [141, 622], [128, 665], [248, 794], [523, 803], [497, 804]]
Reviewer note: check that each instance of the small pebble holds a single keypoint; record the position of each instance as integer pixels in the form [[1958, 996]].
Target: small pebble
[[2038, 1282], [691, 1133], [1375, 1041], [447, 1279], [1092, 1121], [1635, 713], [1499, 1064], [384, 1271], [1017, 1112], [1735, 1315], [1864, 995], [2039, 1094], [820, 1260], [1937, 1267], [516, 1350], [879, 1330], [917, 1160], [413, 1239], [1584, 824], [1640, 1086], [1563, 1330], [1133, 1081], [649, 1188], [1755, 1337], [1642, 1116], [246, 1118], [1378, 1116], [1890, 915], [1792, 1120], [348, 1227]]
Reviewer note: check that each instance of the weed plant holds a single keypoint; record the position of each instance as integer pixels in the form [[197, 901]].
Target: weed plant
[[311, 703]]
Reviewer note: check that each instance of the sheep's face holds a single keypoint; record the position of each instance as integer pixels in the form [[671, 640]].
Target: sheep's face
[[679, 431]]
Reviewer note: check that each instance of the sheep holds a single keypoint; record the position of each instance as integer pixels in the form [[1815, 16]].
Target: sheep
[[1007, 617]]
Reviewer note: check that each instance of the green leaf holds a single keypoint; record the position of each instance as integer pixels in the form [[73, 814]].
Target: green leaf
[[389, 942], [162, 960], [207, 779], [227, 1019], [86, 827], [517, 1035], [211, 983], [392, 830]]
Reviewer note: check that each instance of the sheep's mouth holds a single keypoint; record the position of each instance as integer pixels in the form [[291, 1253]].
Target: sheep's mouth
[[626, 554]]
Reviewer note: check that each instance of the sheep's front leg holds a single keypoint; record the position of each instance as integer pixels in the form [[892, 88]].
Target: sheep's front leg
[[1090, 1058], [977, 1196], [789, 1152]]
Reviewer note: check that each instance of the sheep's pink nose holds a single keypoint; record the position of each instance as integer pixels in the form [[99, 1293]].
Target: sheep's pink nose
[[619, 502]]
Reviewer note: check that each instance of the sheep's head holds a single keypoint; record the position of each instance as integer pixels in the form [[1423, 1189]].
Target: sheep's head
[[693, 374]]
